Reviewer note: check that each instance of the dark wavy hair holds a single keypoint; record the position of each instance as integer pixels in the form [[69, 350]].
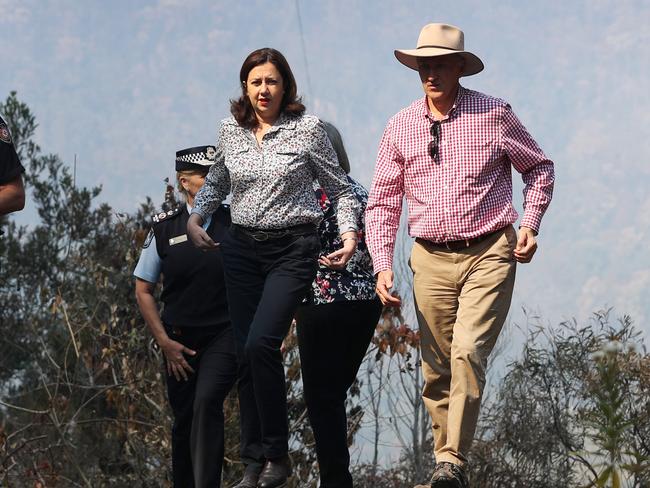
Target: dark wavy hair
[[291, 104]]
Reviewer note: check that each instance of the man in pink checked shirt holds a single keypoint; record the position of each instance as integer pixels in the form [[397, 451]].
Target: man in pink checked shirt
[[450, 154]]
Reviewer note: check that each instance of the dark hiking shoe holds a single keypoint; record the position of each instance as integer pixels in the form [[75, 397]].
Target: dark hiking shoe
[[449, 475]]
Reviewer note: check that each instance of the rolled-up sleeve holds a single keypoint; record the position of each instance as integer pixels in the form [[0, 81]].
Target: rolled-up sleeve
[[333, 179], [385, 203], [217, 183], [536, 169]]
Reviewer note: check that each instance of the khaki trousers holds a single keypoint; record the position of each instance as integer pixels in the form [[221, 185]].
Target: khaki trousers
[[462, 300]]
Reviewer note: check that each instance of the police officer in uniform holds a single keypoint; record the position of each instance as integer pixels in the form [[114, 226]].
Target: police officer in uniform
[[12, 191], [194, 330]]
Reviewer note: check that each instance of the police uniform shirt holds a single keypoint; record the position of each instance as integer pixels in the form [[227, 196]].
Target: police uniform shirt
[[10, 167], [194, 291]]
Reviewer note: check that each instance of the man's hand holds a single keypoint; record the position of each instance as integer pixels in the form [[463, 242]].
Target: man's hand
[[526, 245], [384, 284], [176, 363], [197, 235]]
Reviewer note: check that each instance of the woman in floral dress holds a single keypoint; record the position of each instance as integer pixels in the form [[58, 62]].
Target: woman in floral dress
[[334, 329]]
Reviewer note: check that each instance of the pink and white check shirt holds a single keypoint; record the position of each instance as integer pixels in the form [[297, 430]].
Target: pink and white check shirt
[[466, 191]]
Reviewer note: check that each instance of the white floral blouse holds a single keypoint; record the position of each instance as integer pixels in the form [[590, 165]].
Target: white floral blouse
[[272, 183]]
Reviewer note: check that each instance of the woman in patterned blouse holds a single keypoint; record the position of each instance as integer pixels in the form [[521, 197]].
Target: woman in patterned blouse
[[342, 313], [268, 156]]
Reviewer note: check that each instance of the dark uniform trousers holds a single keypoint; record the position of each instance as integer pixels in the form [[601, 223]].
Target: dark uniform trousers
[[197, 404], [266, 282], [328, 373]]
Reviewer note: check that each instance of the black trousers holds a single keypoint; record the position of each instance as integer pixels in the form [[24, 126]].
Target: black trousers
[[328, 373], [197, 405], [266, 281]]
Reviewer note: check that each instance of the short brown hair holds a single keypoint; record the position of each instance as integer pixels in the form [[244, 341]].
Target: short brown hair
[[291, 104]]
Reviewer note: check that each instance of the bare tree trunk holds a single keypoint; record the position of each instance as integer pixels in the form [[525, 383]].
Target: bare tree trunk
[[375, 404]]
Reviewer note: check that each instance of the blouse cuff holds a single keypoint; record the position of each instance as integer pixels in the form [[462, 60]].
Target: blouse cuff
[[198, 212], [347, 227]]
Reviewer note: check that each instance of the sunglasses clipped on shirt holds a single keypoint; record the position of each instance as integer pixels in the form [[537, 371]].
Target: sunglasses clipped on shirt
[[435, 133]]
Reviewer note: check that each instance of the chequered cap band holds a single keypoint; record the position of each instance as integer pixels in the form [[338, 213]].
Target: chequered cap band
[[200, 157]]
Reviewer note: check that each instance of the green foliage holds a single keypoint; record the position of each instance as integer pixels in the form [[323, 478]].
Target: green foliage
[[609, 419], [78, 375], [22, 125], [569, 414]]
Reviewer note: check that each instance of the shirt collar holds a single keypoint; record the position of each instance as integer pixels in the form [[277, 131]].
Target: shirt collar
[[284, 122], [457, 106]]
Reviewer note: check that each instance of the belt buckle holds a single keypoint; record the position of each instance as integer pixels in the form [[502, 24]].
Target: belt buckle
[[457, 245], [260, 236]]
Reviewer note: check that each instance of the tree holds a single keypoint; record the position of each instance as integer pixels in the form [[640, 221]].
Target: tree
[[573, 411], [78, 375]]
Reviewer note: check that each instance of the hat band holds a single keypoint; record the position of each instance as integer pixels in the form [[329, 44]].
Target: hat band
[[192, 166], [438, 47], [202, 161]]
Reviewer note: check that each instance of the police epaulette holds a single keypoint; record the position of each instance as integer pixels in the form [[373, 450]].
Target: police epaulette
[[159, 217]]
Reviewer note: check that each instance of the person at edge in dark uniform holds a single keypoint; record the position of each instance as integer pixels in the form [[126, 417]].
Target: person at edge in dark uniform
[[12, 191], [342, 310], [194, 330]]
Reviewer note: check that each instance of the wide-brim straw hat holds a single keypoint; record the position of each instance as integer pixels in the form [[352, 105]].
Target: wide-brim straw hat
[[440, 40]]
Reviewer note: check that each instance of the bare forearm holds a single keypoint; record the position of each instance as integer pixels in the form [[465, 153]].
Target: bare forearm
[[12, 196], [149, 311]]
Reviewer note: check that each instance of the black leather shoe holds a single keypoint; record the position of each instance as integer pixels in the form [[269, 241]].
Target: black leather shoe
[[275, 473], [251, 475]]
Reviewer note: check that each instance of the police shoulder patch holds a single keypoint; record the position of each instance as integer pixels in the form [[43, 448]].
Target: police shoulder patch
[[148, 239], [5, 135], [162, 216]]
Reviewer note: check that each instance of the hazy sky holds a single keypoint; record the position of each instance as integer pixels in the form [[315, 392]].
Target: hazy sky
[[124, 84]]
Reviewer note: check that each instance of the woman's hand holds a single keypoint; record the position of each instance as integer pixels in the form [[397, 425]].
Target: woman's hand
[[339, 259], [176, 363], [197, 235]]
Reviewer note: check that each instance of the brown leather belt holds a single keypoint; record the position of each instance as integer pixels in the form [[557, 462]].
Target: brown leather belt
[[457, 245]]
